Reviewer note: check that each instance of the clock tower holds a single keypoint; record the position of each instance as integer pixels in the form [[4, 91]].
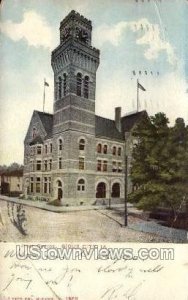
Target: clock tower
[[75, 63]]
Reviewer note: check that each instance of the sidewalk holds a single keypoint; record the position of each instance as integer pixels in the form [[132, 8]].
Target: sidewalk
[[57, 209], [173, 234]]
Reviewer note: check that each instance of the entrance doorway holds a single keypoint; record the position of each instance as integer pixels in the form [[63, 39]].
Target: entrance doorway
[[101, 190], [116, 190], [59, 190]]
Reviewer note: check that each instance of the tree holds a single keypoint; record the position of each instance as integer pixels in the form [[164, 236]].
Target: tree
[[160, 164]]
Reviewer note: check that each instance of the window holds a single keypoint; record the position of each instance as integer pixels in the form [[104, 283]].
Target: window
[[114, 166], [81, 163], [45, 185], [60, 87], [45, 165], [50, 147], [31, 184], [119, 167], [86, 87], [82, 144], [79, 84], [31, 165], [105, 149], [46, 149], [119, 151], [105, 165], [60, 162], [81, 185], [38, 185], [50, 164], [39, 149], [99, 148], [99, 165], [34, 133], [31, 150], [49, 185], [38, 165], [60, 144], [114, 150], [64, 84]]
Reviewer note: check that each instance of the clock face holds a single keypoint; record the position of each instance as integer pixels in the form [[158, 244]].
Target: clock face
[[82, 35]]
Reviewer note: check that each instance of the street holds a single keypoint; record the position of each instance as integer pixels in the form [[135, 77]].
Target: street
[[30, 224]]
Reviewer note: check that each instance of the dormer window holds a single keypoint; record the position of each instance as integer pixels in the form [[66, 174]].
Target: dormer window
[[34, 133]]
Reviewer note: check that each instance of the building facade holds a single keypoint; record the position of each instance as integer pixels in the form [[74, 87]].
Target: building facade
[[73, 155], [11, 182]]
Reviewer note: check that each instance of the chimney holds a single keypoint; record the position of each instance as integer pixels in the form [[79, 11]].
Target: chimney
[[118, 118]]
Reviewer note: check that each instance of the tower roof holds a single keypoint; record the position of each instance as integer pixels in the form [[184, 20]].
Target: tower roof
[[73, 15]]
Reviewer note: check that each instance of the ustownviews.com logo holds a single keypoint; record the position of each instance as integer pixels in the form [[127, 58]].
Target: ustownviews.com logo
[[95, 252]]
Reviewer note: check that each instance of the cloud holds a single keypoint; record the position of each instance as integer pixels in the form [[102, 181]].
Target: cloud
[[33, 29], [151, 37]]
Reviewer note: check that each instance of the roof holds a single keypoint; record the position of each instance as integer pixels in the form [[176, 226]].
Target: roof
[[107, 128], [47, 122], [36, 140], [128, 121], [103, 127]]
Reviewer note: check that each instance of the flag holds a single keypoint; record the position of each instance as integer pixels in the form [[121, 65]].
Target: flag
[[141, 87], [46, 83]]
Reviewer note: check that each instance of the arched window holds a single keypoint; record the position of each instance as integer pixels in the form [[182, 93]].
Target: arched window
[[60, 145], [119, 151], [59, 190], [34, 132], [60, 87], [81, 185], [114, 150], [79, 84], [64, 84], [82, 144], [116, 190], [99, 148], [86, 87], [105, 149]]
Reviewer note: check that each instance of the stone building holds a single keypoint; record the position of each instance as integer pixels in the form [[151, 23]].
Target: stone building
[[74, 155]]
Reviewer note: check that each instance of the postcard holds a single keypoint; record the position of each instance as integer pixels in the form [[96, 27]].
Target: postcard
[[94, 150]]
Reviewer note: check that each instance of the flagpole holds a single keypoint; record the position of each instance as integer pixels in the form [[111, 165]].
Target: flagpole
[[137, 96], [44, 95]]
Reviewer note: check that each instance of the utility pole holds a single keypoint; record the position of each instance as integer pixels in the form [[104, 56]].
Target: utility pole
[[126, 189]]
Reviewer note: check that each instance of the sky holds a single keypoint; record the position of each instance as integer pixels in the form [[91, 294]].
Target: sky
[[138, 39]]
